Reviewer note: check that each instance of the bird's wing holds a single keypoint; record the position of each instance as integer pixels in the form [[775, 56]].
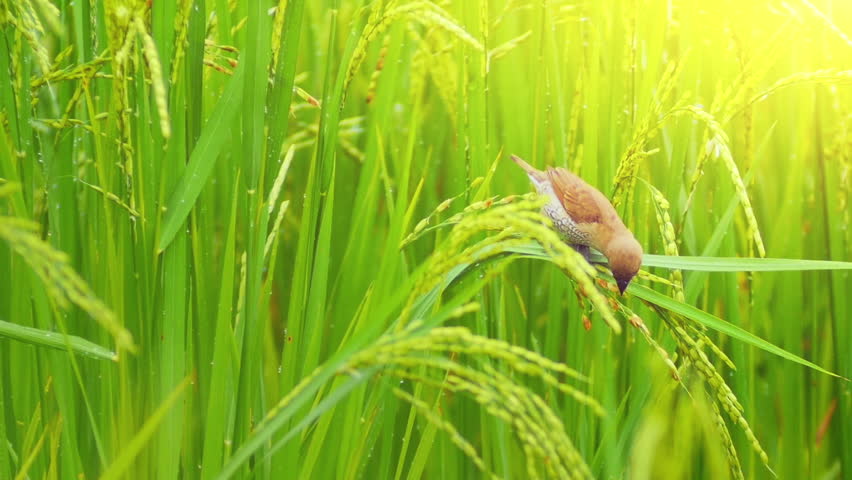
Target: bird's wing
[[577, 197]]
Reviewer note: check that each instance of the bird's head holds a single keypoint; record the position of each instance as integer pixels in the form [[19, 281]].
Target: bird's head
[[625, 257]]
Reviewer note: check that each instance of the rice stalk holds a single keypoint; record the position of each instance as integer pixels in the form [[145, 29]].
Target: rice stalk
[[538, 427], [152, 58], [647, 128], [425, 13], [463, 444], [637, 322], [278, 31], [181, 32], [827, 22], [718, 147], [21, 14], [818, 77], [667, 233], [113, 198], [728, 444], [61, 282], [721, 393]]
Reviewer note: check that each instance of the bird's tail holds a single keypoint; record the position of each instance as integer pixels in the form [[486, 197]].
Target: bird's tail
[[531, 171], [526, 166]]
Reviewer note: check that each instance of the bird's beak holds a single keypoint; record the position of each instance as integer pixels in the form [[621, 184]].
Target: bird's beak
[[622, 285]]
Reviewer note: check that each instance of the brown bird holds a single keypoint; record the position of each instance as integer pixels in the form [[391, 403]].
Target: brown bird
[[585, 218]]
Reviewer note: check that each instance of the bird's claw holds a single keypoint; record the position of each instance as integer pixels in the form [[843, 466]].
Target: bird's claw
[[583, 250]]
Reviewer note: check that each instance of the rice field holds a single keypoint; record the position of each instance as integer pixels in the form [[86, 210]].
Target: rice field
[[256, 239]]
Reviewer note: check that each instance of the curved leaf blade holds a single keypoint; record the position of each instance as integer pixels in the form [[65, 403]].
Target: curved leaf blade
[[201, 160], [736, 264], [711, 264], [716, 323], [55, 340]]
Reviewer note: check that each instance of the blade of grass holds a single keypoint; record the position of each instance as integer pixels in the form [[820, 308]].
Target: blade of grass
[[122, 464], [712, 264], [5, 444], [716, 323], [718, 264], [202, 160], [220, 404], [54, 340]]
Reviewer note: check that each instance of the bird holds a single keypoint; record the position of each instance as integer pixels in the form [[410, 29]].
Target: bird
[[585, 218]]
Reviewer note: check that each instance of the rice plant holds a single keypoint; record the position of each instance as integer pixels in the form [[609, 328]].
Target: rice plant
[[285, 239]]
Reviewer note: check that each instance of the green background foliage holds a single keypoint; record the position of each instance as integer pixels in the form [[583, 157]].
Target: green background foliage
[[249, 239]]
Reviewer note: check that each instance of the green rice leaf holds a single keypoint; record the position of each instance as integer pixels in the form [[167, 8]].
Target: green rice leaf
[[202, 160], [55, 340], [711, 264], [716, 323], [128, 454], [728, 264]]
